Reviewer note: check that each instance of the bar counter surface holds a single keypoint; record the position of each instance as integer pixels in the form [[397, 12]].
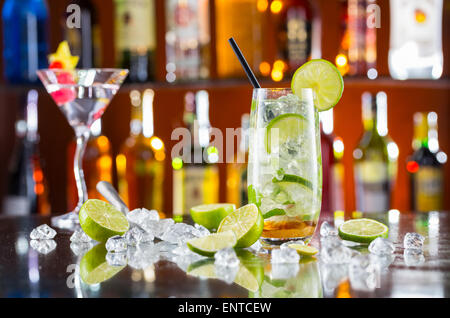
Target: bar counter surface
[[25, 272]]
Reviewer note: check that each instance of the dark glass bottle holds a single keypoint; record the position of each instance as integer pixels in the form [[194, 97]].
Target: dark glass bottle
[[84, 41], [25, 44], [426, 172]]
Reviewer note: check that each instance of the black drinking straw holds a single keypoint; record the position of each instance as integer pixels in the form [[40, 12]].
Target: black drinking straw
[[244, 63]]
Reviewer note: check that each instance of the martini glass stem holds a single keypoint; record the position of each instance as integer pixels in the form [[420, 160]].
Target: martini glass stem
[[82, 140]]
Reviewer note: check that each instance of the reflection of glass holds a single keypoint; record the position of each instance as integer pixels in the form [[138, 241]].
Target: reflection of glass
[[83, 96], [305, 284], [285, 166]]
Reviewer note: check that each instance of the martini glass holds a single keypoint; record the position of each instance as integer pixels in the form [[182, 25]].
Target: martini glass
[[83, 96]]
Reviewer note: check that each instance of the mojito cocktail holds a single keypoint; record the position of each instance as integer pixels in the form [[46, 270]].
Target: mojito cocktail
[[285, 164]]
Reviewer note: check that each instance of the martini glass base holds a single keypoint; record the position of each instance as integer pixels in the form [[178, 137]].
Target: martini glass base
[[69, 221]]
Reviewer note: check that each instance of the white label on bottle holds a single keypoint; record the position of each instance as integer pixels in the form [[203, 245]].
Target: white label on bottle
[[372, 187], [135, 25]]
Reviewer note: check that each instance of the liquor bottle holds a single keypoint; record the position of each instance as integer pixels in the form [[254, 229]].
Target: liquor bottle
[[362, 51], [332, 167], [341, 60], [195, 175], [27, 191], [425, 170], [85, 40], [372, 166], [97, 165], [187, 40], [140, 163], [135, 38], [243, 21], [237, 169], [298, 32], [25, 42], [433, 140], [416, 39]]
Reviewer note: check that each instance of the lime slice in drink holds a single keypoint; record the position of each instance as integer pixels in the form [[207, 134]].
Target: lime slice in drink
[[289, 178], [210, 215], [100, 220], [282, 128], [210, 244], [324, 78], [94, 268], [304, 250], [362, 230], [246, 223]]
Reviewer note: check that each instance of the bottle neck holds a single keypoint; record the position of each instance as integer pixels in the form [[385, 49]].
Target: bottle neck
[[141, 123], [374, 113], [420, 131]]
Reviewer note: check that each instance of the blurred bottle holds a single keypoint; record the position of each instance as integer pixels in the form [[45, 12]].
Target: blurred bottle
[[237, 169], [341, 60], [187, 40], [135, 38], [25, 39], [195, 175], [359, 45], [416, 39], [297, 26], [97, 165], [425, 170], [84, 41], [140, 164], [374, 160], [27, 191], [332, 166], [241, 19]]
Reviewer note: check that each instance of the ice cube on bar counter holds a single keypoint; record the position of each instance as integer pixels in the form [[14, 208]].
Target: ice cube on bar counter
[[43, 246], [413, 241], [226, 257], [43, 232], [326, 229], [285, 256], [80, 237], [116, 243], [381, 246]]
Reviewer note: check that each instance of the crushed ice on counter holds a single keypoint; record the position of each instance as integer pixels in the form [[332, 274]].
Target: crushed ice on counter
[[381, 246], [284, 256], [116, 259], [43, 232], [116, 244], [136, 236], [326, 229], [226, 257], [140, 216]]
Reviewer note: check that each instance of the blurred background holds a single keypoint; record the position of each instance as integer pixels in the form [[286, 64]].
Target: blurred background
[[176, 48]]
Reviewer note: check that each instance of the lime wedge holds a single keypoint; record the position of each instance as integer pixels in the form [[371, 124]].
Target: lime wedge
[[210, 215], [324, 78], [246, 223], [289, 178], [362, 230], [284, 127], [94, 268], [204, 268], [100, 220], [304, 250], [210, 244], [247, 279]]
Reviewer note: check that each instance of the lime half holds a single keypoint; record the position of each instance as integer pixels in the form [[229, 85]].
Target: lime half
[[284, 127], [210, 215], [210, 244], [324, 78], [362, 230], [304, 250], [246, 223], [100, 220]]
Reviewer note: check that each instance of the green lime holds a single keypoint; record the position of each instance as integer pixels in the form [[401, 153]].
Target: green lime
[[324, 78], [247, 223], [282, 128], [93, 266], [362, 230], [304, 250], [100, 220], [289, 178], [210, 215], [210, 244], [245, 278]]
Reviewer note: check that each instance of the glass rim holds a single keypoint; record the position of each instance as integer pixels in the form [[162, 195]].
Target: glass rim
[[280, 89], [107, 69]]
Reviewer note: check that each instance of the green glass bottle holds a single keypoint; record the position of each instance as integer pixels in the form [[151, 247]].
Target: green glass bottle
[[374, 164]]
